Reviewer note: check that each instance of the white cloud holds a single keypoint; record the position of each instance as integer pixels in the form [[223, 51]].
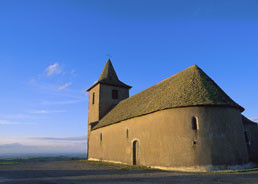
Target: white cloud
[[64, 86], [53, 69]]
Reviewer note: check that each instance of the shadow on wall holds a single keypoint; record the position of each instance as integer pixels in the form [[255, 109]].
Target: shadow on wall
[[251, 138]]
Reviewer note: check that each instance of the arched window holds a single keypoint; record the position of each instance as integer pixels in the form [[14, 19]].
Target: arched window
[[136, 156], [195, 125]]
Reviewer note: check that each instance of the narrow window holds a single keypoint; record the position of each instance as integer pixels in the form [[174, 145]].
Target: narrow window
[[114, 94], [93, 98], [194, 124], [247, 138], [127, 133], [100, 137]]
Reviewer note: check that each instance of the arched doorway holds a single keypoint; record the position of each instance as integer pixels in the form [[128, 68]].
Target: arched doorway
[[135, 153]]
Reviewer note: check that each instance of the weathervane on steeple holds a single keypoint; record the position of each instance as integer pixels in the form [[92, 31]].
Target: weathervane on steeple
[[109, 56]]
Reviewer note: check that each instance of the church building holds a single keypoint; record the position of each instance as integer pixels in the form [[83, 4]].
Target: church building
[[186, 122]]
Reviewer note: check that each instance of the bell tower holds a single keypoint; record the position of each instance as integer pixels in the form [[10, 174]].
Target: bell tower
[[105, 94]]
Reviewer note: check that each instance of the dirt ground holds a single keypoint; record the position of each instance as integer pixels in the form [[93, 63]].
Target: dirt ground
[[78, 172]]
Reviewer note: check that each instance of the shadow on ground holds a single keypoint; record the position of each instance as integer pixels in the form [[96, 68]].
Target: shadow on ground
[[76, 172]]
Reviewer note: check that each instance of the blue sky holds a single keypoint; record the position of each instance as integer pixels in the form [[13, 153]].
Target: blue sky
[[52, 50]]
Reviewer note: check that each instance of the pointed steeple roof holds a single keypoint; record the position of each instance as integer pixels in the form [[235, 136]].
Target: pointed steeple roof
[[109, 77], [108, 72], [191, 87]]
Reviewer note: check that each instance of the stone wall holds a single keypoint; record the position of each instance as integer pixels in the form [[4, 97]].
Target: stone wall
[[106, 101], [251, 130], [167, 139], [93, 110]]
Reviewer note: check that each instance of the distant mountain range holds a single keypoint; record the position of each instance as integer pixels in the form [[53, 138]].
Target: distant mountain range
[[20, 150]]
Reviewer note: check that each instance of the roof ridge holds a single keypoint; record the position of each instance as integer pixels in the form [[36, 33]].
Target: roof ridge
[[215, 85], [190, 87], [172, 76]]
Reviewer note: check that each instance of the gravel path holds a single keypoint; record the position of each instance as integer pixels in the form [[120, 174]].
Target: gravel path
[[81, 172]]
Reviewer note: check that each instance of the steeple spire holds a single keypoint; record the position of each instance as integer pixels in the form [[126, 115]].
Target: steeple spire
[[108, 72], [109, 77]]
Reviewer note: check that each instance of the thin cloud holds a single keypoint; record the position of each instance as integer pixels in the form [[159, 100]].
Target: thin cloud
[[254, 118], [45, 111], [53, 69], [16, 116], [73, 71], [78, 138], [52, 147], [60, 102], [64, 86], [7, 122]]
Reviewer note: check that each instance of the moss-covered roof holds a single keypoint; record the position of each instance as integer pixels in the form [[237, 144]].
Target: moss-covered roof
[[108, 76], [191, 87]]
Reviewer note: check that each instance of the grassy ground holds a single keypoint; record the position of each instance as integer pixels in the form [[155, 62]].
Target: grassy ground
[[64, 171], [10, 163], [237, 171], [135, 167], [120, 166]]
